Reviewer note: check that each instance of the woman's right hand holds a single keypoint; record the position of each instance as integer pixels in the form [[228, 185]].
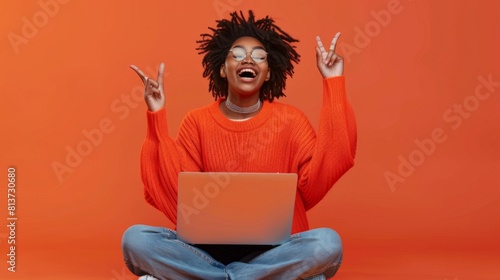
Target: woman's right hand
[[153, 91]]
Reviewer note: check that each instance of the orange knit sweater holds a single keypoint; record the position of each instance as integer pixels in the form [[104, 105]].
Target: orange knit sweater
[[278, 139]]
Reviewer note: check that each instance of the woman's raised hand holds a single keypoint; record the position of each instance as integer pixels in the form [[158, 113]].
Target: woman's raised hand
[[330, 64], [153, 91]]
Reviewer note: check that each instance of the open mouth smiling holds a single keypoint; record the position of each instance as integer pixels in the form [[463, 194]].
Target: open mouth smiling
[[247, 73]]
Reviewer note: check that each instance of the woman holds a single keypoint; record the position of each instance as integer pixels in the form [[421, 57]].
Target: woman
[[247, 62]]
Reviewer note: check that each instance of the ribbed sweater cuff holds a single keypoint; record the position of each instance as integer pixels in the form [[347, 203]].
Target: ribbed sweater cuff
[[157, 127], [335, 87]]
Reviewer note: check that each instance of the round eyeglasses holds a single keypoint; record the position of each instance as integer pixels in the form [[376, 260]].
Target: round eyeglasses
[[239, 54]]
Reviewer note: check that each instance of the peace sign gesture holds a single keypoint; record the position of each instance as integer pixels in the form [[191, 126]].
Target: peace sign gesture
[[330, 64], [153, 92]]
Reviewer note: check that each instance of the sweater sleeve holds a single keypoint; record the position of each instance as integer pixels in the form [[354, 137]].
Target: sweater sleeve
[[162, 158], [331, 154]]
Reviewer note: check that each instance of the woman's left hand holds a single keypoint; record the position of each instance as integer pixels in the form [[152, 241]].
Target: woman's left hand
[[330, 64]]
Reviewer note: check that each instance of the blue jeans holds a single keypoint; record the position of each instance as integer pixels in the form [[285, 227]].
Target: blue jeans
[[313, 254]]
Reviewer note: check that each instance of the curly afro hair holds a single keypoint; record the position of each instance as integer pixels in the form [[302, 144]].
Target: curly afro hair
[[278, 44]]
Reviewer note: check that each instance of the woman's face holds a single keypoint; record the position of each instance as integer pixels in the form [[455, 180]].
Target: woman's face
[[245, 77]]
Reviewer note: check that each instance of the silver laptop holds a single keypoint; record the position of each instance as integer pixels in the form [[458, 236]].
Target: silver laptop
[[235, 208]]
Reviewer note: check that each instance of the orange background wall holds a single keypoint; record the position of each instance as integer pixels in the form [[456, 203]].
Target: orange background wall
[[422, 200]]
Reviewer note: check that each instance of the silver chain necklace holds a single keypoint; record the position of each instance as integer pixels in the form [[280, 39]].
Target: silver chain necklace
[[242, 110]]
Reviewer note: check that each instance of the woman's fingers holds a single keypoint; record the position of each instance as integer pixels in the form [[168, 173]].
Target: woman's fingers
[[148, 82], [331, 56], [319, 56], [151, 83], [320, 45], [153, 90], [141, 74], [161, 71], [333, 44]]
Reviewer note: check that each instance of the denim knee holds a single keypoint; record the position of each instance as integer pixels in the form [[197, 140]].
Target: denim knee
[[327, 243], [132, 238]]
